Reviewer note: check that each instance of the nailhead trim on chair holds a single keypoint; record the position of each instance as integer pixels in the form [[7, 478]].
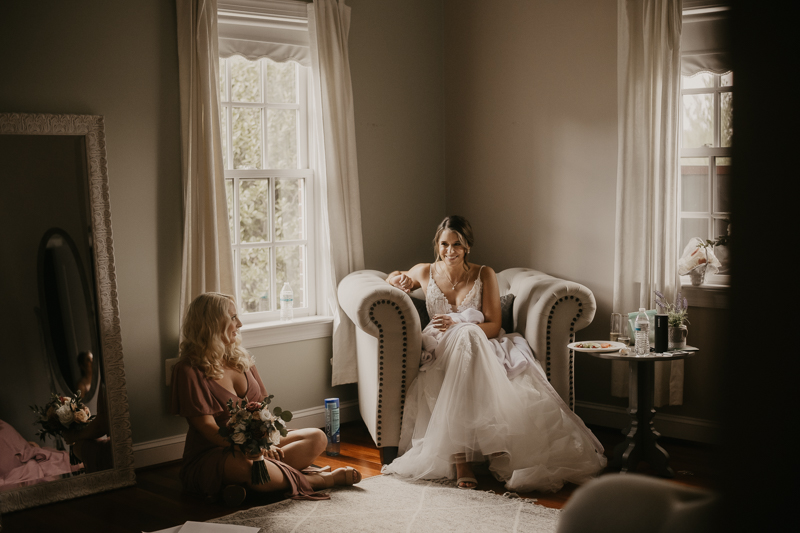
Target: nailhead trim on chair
[[571, 340], [380, 365]]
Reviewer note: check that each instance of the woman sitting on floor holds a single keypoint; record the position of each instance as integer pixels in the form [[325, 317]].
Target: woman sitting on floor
[[213, 368]]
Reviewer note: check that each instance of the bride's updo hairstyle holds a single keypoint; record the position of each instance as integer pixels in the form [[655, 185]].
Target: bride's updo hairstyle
[[462, 228], [203, 336]]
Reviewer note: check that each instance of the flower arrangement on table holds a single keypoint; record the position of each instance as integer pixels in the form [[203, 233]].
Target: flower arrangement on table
[[252, 428], [677, 313], [677, 318]]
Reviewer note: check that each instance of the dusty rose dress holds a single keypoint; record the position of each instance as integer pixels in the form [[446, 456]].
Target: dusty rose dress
[[203, 462]]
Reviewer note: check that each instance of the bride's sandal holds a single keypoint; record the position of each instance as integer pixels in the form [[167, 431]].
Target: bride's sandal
[[464, 482]]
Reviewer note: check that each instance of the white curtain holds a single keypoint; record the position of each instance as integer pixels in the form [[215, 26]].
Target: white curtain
[[649, 103], [335, 153], [207, 257]]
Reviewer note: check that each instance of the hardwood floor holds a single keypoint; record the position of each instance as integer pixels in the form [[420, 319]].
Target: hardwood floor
[[157, 501]]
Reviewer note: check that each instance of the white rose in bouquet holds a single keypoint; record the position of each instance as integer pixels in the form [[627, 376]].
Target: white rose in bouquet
[[65, 415], [275, 436], [265, 415], [239, 437]]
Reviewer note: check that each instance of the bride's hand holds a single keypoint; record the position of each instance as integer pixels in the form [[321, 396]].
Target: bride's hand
[[402, 282], [442, 322]]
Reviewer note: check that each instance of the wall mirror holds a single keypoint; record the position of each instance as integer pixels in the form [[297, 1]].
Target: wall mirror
[[60, 317]]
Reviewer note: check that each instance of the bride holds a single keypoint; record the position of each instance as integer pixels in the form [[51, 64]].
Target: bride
[[480, 394]]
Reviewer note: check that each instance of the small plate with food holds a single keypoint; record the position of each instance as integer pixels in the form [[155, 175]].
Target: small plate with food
[[596, 346]]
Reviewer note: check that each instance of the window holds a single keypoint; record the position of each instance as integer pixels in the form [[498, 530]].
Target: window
[[706, 137], [269, 186]]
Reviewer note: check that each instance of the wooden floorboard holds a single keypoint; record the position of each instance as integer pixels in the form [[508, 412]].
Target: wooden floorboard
[[157, 501]]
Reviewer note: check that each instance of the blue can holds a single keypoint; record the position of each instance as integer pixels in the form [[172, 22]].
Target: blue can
[[332, 426]]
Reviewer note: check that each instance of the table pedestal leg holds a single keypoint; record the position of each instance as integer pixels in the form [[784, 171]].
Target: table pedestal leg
[[641, 438]]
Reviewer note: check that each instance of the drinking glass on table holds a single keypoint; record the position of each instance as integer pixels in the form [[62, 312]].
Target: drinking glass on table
[[616, 326]]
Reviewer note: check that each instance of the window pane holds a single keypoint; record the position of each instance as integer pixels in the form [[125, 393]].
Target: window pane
[[281, 82], [290, 265], [255, 280], [722, 252], [229, 198], [726, 80], [698, 81], [245, 80], [693, 227], [726, 119], [289, 215], [723, 185], [281, 138], [254, 210], [698, 120], [223, 126], [694, 184], [223, 87], [246, 137]]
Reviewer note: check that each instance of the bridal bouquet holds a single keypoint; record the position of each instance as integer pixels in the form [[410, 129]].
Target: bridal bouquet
[[60, 414], [252, 428]]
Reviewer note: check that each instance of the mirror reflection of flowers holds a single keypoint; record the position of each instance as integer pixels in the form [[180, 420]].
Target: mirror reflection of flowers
[[60, 414], [677, 313], [252, 428]]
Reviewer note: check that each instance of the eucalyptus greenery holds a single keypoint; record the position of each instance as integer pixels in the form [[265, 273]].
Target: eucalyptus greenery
[[677, 313]]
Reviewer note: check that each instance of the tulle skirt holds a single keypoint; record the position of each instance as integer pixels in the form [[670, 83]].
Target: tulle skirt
[[465, 405]]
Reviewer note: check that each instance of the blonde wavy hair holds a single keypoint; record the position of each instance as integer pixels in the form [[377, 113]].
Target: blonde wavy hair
[[203, 330]]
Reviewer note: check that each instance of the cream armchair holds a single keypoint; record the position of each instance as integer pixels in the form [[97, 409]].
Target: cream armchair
[[547, 311]]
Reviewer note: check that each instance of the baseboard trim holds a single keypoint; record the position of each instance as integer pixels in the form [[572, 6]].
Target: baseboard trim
[[679, 427], [169, 449]]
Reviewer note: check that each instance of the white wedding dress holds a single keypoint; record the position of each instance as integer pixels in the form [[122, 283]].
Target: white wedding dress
[[490, 400]]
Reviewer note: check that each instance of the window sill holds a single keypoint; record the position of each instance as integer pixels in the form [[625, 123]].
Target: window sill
[[276, 332], [706, 295]]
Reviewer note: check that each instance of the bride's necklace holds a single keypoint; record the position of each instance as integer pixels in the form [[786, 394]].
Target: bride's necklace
[[454, 285]]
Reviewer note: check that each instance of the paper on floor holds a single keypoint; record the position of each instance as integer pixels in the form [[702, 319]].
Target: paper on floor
[[205, 527]]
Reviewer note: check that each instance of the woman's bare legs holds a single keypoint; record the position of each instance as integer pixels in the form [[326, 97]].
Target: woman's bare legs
[[238, 470], [302, 446]]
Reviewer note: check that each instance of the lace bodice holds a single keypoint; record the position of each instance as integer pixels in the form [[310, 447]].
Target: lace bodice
[[437, 304]]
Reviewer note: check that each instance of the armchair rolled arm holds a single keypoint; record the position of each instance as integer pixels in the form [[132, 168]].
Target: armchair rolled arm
[[389, 344], [547, 312]]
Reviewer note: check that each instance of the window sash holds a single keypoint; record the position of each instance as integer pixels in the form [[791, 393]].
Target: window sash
[[302, 172]]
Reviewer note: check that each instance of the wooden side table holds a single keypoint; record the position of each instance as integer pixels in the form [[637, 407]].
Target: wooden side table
[[641, 437]]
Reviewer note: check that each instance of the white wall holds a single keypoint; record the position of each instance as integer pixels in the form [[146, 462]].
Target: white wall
[[531, 135]]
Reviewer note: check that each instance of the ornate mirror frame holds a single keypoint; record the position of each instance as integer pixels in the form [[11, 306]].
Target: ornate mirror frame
[[91, 128]]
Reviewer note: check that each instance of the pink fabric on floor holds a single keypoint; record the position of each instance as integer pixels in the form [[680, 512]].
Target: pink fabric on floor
[[22, 463]]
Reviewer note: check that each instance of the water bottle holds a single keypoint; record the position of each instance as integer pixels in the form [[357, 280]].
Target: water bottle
[[286, 302], [263, 302], [332, 425], [642, 333]]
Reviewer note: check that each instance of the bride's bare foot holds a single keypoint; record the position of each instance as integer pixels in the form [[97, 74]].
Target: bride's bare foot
[[341, 476], [465, 476]]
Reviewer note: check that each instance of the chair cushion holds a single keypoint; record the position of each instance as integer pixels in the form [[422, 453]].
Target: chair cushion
[[506, 310], [422, 311], [507, 313]]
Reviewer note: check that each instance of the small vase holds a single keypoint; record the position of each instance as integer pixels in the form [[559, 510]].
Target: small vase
[[676, 337], [698, 275]]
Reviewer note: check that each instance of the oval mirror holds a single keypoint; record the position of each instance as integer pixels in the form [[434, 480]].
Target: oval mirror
[[68, 317]]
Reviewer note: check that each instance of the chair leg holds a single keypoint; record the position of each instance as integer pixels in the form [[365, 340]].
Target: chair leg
[[388, 454]]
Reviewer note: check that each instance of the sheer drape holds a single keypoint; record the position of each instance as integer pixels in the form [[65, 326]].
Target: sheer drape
[[207, 258], [335, 151], [649, 70]]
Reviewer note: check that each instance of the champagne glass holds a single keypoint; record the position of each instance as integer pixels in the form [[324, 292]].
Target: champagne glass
[[616, 326]]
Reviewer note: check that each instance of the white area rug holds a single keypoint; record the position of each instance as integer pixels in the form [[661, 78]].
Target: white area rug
[[388, 503]]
